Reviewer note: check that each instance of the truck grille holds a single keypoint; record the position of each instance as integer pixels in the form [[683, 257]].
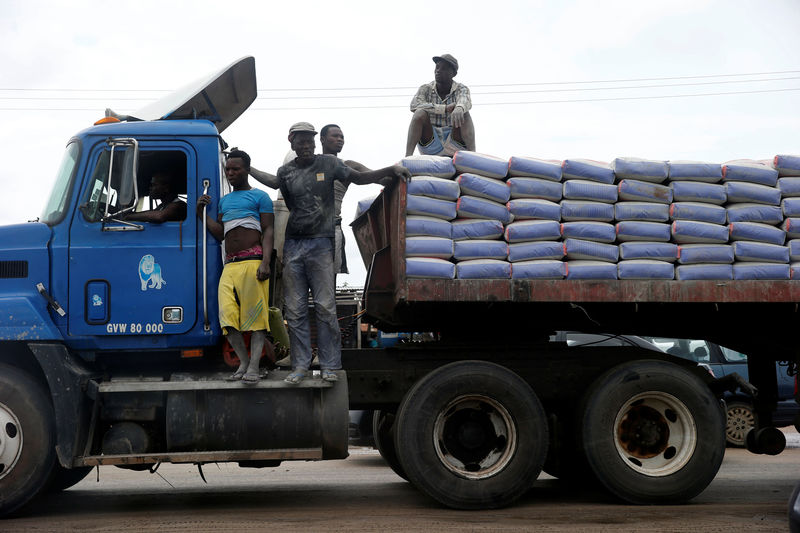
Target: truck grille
[[13, 269]]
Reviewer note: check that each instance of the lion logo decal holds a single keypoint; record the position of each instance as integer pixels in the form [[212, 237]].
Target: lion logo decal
[[150, 272]]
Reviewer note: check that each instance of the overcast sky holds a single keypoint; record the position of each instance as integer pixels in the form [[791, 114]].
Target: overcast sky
[[62, 64]]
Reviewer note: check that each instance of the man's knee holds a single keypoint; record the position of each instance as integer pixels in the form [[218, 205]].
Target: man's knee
[[421, 117]]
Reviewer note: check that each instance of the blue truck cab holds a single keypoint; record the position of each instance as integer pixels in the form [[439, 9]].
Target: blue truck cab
[[110, 345]]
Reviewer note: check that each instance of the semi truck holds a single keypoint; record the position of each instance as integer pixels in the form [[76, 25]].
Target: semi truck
[[111, 352]]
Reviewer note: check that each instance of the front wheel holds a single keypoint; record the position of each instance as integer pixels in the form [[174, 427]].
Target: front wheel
[[741, 419], [472, 435], [653, 432], [27, 447]]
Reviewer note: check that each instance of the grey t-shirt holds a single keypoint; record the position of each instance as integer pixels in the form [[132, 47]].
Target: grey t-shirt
[[309, 195]]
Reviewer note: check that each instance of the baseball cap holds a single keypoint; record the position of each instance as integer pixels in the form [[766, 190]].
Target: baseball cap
[[298, 127], [448, 58]]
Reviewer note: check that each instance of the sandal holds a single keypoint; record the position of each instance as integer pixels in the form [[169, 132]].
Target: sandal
[[295, 377], [329, 375], [236, 376], [250, 378]]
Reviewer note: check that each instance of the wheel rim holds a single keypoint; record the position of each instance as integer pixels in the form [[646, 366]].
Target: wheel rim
[[740, 420], [474, 437], [10, 440], [655, 434]]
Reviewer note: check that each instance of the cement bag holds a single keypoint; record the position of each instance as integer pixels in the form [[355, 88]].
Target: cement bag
[[532, 230], [591, 251], [760, 252], [635, 230], [586, 169], [642, 191], [744, 192], [532, 208], [540, 270], [645, 269], [441, 188], [429, 165], [695, 191], [483, 269], [583, 210], [789, 187], [432, 207], [694, 171], [428, 267], [590, 190], [364, 204], [476, 228], [714, 214], [526, 251], [489, 188], [643, 211], [703, 271], [794, 250], [535, 188], [705, 253], [749, 171], [787, 165], [756, 231], [661, 251], [794, 271], [429, 247], [485, 165], [790, 207], [418, 226], [480, 249], [591, 270], [761, 271], [691, 231], [277, 327], [747, 212], [474, 207], [792, 228], [534, 168], [589, 231], [640, 169]]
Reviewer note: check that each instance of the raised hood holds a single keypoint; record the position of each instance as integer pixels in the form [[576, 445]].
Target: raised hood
[[220, 98]]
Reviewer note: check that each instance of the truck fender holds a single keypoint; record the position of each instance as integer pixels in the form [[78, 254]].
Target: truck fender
[[24, 320], [66, 377]]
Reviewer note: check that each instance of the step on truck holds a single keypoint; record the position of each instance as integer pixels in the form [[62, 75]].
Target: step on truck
[[111, 352]]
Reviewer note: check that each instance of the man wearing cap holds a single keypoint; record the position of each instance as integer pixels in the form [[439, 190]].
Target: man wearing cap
[[306, 184], [441, 124]]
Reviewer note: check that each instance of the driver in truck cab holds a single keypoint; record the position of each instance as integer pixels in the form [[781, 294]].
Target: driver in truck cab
[[245, 224], [163, 187]]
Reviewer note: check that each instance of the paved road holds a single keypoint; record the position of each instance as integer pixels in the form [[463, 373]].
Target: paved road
[[362, 494]]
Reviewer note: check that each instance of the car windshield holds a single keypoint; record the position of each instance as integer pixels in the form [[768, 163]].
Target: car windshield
[[693, 349], [55, 209]]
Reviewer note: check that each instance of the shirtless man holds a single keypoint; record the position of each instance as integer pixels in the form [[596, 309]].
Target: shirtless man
[[163, 187], [245, 223]]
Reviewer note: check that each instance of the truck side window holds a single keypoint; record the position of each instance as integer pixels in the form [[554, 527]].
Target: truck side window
[[100, 193], [161, 181]]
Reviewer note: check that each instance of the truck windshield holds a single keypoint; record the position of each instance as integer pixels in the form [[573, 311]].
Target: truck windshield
[[55, 209]]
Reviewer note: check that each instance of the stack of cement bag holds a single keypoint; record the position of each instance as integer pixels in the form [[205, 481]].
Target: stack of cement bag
[[476, 216]]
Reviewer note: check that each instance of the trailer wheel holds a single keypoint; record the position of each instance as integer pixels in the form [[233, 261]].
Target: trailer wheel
[[63, 478], [383, 424], [741, 419], [653, 432], [27, 443], [472, 435]]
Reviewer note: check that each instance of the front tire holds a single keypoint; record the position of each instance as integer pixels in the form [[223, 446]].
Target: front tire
[[27, 442], [653, 432], [472, 435], [741, 418]]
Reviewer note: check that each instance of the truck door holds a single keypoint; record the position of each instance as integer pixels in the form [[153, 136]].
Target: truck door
[[125, 277]]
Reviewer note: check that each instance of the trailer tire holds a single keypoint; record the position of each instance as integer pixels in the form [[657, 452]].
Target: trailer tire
[[27, 438], [653, 432], [383, 426], [63, 478], [741, 418], [472, 435]]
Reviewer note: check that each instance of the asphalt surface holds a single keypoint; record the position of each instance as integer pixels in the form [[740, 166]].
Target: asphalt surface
[[361, 494]]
